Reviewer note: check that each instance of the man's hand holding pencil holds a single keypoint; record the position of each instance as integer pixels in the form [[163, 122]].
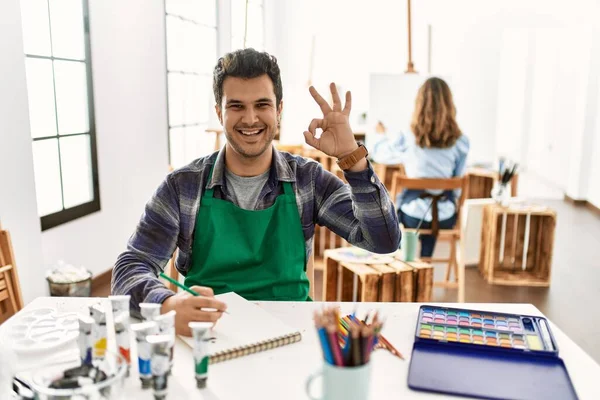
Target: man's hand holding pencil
[[194, 304]]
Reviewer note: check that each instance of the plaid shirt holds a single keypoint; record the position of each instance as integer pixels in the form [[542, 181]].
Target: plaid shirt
[[360, 212]]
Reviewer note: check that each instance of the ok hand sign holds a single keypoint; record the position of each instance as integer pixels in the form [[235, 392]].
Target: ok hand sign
[[337, 139]]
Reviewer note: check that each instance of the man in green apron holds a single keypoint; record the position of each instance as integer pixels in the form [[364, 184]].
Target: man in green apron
[[243, 218]]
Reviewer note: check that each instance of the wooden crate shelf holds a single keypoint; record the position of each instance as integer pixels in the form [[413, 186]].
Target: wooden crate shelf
[[517, 245], [380, 279], [481, 182]]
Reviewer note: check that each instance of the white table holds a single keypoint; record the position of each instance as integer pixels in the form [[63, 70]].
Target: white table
[[281, 373]]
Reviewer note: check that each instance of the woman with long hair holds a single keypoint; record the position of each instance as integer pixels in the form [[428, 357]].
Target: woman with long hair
[[436, 148]]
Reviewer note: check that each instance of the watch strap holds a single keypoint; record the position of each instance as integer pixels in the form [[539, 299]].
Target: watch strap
[[351, 159]]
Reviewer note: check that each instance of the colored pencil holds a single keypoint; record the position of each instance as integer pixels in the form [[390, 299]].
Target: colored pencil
[[355, 343], [334, 343], [349, 341], [325, 345], [323, 338]]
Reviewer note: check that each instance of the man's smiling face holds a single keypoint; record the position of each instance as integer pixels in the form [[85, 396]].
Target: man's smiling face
[[249, 114]]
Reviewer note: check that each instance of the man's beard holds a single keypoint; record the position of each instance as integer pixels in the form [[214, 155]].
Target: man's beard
[[239, 147]]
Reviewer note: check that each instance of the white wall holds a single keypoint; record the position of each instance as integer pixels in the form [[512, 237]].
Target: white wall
[[18, 208], [591, 153], [516, 66], [544, 101], [581, 135], [128, 64], [129, 75], [520, 71], [291, 46], [466, 43], [593, 194]]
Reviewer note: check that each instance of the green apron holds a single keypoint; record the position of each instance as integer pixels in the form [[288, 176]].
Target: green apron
[[260, 254]]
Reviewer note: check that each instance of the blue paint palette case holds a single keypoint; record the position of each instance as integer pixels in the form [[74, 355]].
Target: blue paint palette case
[[487, 355]]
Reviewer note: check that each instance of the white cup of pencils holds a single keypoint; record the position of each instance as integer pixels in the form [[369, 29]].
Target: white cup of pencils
[[346, 345], [501, 191]]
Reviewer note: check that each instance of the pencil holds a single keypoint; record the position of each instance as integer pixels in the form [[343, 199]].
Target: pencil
[[182, 286], [364, 344], [391, 348], [387, 344], [334, 344], [325, 347]]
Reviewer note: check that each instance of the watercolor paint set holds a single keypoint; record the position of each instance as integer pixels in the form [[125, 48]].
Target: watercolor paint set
[[487, 355], [490, 329]]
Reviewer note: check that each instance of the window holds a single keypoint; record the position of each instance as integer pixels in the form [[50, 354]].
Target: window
[[247, 24], [61, 111], [191, 33]]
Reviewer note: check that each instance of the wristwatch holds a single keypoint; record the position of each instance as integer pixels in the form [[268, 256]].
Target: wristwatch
[[348, 161]]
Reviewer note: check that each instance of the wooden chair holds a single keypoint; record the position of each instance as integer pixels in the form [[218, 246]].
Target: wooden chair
[[172, 272], [386, 173], [453, 236], [11, 299]]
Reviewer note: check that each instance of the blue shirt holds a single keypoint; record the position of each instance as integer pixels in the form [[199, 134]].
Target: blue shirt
[[361, 212], [423, 162]]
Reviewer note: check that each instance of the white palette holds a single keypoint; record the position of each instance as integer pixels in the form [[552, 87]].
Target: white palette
[[42, 329]]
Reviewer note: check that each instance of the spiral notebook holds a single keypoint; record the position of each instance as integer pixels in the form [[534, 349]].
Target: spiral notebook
[[245, 329]]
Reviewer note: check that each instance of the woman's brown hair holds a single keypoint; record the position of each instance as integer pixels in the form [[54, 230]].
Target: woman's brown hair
[[434, 119]]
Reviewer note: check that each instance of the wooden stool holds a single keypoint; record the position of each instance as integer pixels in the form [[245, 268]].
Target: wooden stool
[[375, 278], [517, 244]]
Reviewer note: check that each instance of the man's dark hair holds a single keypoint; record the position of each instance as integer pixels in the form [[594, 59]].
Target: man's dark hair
[[246, 64]]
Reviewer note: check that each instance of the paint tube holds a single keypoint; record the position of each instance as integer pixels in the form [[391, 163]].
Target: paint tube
[[99, 334], [160, 348], [141, 331], [120, 309], [166, 326], [120, 304], [149, 311], [84, 341], [122, 337], [201, 356]]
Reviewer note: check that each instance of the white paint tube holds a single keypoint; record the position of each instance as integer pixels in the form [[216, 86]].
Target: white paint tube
[[121, 318], [99, 333], [160, 346], [149, 311], [142, 331], [84, 340], [166, 326], [201, 356], [122, 338]]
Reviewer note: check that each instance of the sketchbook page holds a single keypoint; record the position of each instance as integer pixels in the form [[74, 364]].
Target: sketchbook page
[[244, 324]]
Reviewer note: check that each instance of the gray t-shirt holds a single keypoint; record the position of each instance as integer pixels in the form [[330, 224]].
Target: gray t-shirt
[[245, 189]]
